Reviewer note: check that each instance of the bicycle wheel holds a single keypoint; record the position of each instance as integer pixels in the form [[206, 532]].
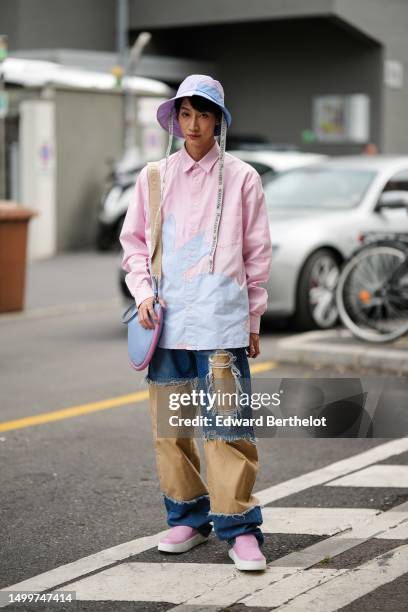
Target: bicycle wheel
[[372, 293]]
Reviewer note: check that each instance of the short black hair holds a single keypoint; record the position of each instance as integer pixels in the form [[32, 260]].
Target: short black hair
[[200, 104]]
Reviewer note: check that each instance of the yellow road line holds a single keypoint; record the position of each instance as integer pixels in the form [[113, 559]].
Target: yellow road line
[[264, 366], [67, 413], [113, 402]]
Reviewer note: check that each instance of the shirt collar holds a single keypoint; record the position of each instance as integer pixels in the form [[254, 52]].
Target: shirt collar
[[205, 163]]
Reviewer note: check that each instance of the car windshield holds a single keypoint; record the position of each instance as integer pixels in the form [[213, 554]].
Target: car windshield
[[317, 188]]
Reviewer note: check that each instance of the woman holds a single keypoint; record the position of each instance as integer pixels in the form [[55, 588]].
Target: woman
[[216, 250]]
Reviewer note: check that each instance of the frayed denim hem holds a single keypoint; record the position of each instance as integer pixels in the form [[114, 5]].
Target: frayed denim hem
[[234, 516], [214, 435], [188, 501], [174, 382]]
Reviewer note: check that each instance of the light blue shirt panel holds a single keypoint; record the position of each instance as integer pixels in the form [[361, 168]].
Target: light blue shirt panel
[[209, 311]]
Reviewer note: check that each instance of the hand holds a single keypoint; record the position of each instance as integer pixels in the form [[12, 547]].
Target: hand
[[253, 349], [146, 314]]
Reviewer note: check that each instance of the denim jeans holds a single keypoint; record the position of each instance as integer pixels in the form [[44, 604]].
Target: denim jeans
[[231, 456]]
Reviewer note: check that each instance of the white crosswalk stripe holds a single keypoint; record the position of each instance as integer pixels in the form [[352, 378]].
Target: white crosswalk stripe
[[278, 593], [340, 590], [333, 470], [398, 533], [229, 591], [313, 521], [290, 582], [374, 476], [299, 582], [174, 582]]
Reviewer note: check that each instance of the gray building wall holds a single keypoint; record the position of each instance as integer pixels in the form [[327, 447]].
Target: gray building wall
[[292, 62], [383, 22], [89, 130], [272, 70], [80, 24], [161, 13], [386, 20]]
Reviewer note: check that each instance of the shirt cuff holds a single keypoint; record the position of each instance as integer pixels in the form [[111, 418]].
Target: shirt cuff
[[142, 293], [254, 324]]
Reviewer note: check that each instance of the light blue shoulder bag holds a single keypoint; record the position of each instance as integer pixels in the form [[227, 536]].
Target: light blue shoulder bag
[[142, 342]]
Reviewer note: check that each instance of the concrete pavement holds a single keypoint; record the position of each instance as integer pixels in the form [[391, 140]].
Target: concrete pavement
[[339, 347]]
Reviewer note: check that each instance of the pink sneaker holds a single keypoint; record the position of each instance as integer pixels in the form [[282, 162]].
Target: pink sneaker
[[180, 539], [246, 553]]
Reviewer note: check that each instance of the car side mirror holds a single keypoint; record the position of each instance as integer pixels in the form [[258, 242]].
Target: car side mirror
[[392, 199]]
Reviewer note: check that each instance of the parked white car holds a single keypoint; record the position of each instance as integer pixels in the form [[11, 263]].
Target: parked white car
[[316, 215], [265, 161]]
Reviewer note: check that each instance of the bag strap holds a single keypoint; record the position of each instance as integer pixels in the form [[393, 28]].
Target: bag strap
[[155, 224]]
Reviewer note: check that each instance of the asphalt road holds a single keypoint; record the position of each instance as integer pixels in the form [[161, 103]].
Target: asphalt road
[[75, 486]]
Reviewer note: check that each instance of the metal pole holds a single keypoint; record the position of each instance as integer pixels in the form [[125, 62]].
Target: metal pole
[[128, 63], [3, 112], [130, 98], [122, 32], [122, 8]]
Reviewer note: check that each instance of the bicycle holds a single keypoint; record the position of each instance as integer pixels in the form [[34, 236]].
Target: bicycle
[[372, 289]]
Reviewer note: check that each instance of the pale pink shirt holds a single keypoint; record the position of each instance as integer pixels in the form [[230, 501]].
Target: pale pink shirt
[[204, 311]]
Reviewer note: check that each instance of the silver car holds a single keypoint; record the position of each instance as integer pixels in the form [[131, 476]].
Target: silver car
[[317, 214], [269, 161]]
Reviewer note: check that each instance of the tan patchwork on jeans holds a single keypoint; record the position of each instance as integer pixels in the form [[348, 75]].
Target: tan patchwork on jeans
[[231, 472], [231, 465], [177, 458]]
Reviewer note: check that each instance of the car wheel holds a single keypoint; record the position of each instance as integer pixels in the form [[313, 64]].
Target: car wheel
[[124, 289], [116, 245], [316, 293], [103, 239]]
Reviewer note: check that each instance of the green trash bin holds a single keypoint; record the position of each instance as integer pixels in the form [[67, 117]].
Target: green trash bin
[[14, 221]]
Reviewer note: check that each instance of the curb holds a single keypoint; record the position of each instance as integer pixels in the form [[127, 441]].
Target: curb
[[330, 347]]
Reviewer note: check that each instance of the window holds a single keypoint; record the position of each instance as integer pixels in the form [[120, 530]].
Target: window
[[259, 167], [399, 182], [318, 187]]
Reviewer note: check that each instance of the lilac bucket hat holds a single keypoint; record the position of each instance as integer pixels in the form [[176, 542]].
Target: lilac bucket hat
[[194, 85]]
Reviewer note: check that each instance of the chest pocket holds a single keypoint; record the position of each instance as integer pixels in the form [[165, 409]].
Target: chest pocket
[[230, 228]]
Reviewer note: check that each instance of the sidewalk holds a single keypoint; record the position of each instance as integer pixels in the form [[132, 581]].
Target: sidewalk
[[70, 282], [339, 347]]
